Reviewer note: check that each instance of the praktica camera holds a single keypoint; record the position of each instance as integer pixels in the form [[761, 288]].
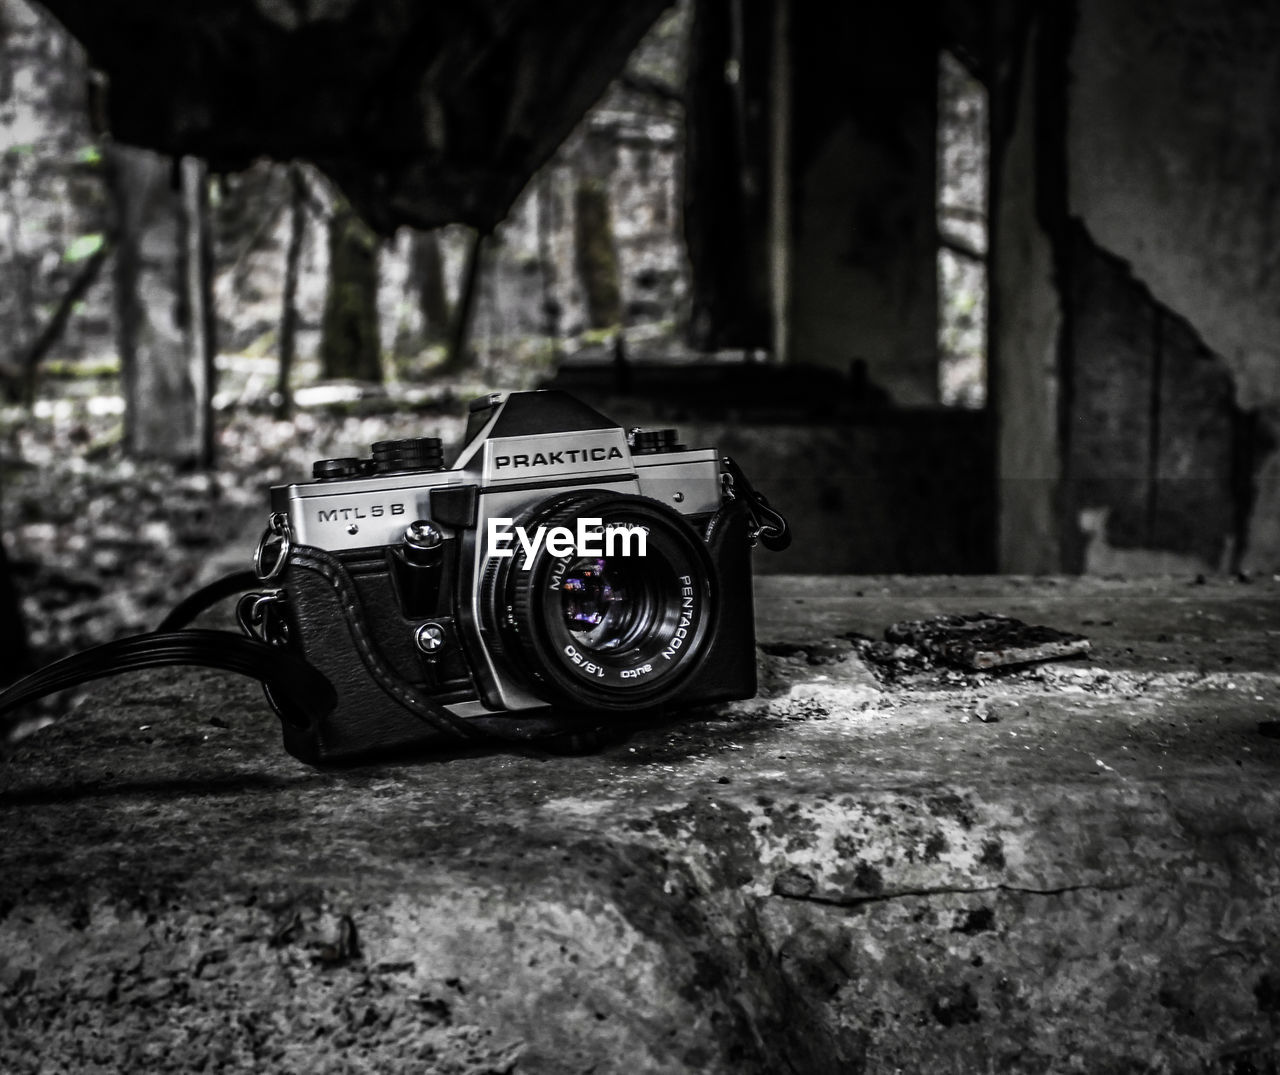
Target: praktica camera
[[563, 574]]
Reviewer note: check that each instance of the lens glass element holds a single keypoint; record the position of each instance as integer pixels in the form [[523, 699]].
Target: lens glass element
[[604, 602]]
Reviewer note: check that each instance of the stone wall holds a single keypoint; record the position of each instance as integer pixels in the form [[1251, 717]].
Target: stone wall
[[1173, 121], [1140, 161], [1175, 136]]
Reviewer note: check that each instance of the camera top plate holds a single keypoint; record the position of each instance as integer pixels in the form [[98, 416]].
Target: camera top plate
[[514, 441]]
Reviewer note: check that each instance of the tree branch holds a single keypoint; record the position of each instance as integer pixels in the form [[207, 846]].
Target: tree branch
[[57, 324], [961, 248], [651, 87]]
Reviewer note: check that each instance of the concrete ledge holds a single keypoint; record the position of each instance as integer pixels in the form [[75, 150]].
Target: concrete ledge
[[1071, 867]]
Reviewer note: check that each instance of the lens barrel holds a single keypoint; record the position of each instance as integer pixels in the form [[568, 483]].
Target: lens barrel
[[605, 628]]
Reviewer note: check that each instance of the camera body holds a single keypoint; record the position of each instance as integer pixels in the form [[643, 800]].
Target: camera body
[[561, 574]]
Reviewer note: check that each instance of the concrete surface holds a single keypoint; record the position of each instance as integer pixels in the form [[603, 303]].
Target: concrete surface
[[1070, 867]]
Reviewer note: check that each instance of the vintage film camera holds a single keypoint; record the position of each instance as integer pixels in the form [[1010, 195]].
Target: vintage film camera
[[562, 574]]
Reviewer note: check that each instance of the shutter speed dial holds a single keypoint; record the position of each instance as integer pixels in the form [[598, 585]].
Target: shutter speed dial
[[416, 453], [389, 457]]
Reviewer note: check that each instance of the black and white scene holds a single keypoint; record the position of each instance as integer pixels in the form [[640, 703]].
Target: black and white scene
[[680, 537]]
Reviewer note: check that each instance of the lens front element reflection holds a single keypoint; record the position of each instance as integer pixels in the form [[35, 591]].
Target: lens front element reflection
[[602, 602]]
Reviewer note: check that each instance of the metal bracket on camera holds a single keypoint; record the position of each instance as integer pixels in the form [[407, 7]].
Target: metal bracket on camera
[[276, 534], [768, 527], [260, 619]]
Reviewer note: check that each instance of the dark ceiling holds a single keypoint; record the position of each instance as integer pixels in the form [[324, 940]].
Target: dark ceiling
[[423, 112]]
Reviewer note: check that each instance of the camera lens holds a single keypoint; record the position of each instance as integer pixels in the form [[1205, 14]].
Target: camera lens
[[603, 603], [616, 626]]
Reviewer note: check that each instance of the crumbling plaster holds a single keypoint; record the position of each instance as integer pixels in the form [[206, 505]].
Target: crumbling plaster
[[1174, 140], [1180, 180]]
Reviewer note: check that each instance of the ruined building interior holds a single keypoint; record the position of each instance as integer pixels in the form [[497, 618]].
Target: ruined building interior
[[1119, 225], [982, 289]]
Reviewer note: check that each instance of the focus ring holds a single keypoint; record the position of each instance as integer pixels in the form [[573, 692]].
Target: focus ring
[[522, 600], [495, 586]]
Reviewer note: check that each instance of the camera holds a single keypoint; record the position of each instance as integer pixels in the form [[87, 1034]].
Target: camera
[[563, 573]]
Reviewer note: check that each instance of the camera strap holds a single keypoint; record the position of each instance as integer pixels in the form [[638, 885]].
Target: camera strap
[[768, 526], [280, 671], [287, 678], [285, 675]]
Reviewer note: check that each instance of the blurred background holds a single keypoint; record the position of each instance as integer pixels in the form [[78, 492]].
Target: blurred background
[[966, 286]]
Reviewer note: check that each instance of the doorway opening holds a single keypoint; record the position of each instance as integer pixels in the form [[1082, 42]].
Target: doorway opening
[[963, 166]]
